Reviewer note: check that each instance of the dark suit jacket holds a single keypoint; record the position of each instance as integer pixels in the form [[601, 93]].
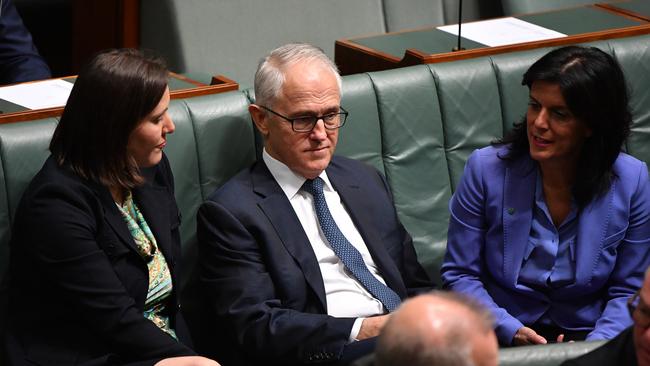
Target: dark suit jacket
[[262, 276], [19, 59], [618, 351], [78, 284]]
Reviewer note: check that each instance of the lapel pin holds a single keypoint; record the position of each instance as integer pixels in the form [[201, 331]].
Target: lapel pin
[[511, 211]]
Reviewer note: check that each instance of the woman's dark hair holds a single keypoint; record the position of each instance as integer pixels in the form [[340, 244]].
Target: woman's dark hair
[[111, 95], [594, 89]]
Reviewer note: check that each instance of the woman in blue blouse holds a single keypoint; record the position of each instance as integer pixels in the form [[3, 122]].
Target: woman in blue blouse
[[95, 247], [550, 226]]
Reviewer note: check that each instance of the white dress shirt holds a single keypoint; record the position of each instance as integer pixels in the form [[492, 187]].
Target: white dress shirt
[[345, 296]]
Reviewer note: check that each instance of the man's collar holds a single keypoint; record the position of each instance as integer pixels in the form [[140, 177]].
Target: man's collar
[[289, 181]]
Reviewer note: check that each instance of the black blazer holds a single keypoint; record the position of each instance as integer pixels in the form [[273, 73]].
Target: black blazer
[[618, 351], [263, 278], [78, 285]]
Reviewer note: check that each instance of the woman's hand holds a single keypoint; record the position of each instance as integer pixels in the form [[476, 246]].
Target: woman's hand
[[527, 336], [187, 361]]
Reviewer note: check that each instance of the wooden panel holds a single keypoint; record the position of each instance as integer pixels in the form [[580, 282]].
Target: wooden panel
[[629, 11], [102, 24], [352, 57], [220, 84]]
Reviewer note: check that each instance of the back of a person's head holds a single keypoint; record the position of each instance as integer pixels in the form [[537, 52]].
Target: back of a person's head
[[441, 329]]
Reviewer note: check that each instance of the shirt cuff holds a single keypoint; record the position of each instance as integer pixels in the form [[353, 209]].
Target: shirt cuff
[[356, 328]]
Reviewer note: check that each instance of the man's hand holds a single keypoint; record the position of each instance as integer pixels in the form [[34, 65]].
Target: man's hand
[[371, 327], [187, 361], [526, 336]]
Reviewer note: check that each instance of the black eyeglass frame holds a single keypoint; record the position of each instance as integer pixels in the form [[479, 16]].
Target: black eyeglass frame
[[343, 116]]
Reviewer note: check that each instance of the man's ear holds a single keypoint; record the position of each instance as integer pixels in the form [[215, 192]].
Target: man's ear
[[260, 118]]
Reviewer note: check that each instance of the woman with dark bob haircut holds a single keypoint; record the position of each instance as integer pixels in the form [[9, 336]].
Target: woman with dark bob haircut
[[95, 245], [550, 226]]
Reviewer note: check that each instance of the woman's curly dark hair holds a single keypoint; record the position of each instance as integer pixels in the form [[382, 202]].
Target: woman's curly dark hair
[[594, 89]]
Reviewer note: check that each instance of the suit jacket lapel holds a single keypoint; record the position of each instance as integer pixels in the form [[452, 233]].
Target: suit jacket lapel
[[280, 213], [517, 213], [114, 218], [593, 220], [355, 201], [154, 203]]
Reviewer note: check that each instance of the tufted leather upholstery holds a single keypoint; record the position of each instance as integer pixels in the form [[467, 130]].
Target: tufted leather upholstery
[[529, 6], [228, 37], [417, 125]]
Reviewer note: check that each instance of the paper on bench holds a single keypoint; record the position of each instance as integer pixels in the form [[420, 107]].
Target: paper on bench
[[38, 95], [502, 31]]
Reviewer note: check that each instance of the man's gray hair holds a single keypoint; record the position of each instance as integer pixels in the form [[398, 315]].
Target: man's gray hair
[[270, 77], [400, 346]]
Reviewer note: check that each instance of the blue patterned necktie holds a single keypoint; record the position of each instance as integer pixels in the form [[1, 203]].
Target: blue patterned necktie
[[348, 254]]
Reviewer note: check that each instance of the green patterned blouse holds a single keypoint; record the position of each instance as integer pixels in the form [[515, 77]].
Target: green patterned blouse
[[160, 279]]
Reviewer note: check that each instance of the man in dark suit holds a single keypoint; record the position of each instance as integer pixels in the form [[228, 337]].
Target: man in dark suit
[[632, 346], [19, 59], [303, 256]]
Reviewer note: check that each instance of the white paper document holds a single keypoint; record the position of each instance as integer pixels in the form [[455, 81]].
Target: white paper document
[[38, 95], [502, 31]]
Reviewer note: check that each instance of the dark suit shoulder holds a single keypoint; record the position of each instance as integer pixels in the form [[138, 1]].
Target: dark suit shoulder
[[352, 172], [618, 351], [253, 183], [351, 166], [54, 183], [239, 185]]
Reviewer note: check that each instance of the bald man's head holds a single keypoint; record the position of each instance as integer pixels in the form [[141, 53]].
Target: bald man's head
[[440, 328]]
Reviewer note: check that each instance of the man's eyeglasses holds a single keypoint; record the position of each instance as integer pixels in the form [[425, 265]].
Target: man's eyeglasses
[[636, 303], [331, 121]]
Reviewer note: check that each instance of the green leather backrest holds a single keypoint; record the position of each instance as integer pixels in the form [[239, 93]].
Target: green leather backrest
[[212, 142], [408, 14], [511, 7], [181, 152], [633, 53], [229, 36], [203, 38], [471, 110], [23, 150], [414, 157], [361, 137]]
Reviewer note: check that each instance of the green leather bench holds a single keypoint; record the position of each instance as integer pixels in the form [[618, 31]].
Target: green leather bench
[[417, 125], [511, 7], [203, 38]]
